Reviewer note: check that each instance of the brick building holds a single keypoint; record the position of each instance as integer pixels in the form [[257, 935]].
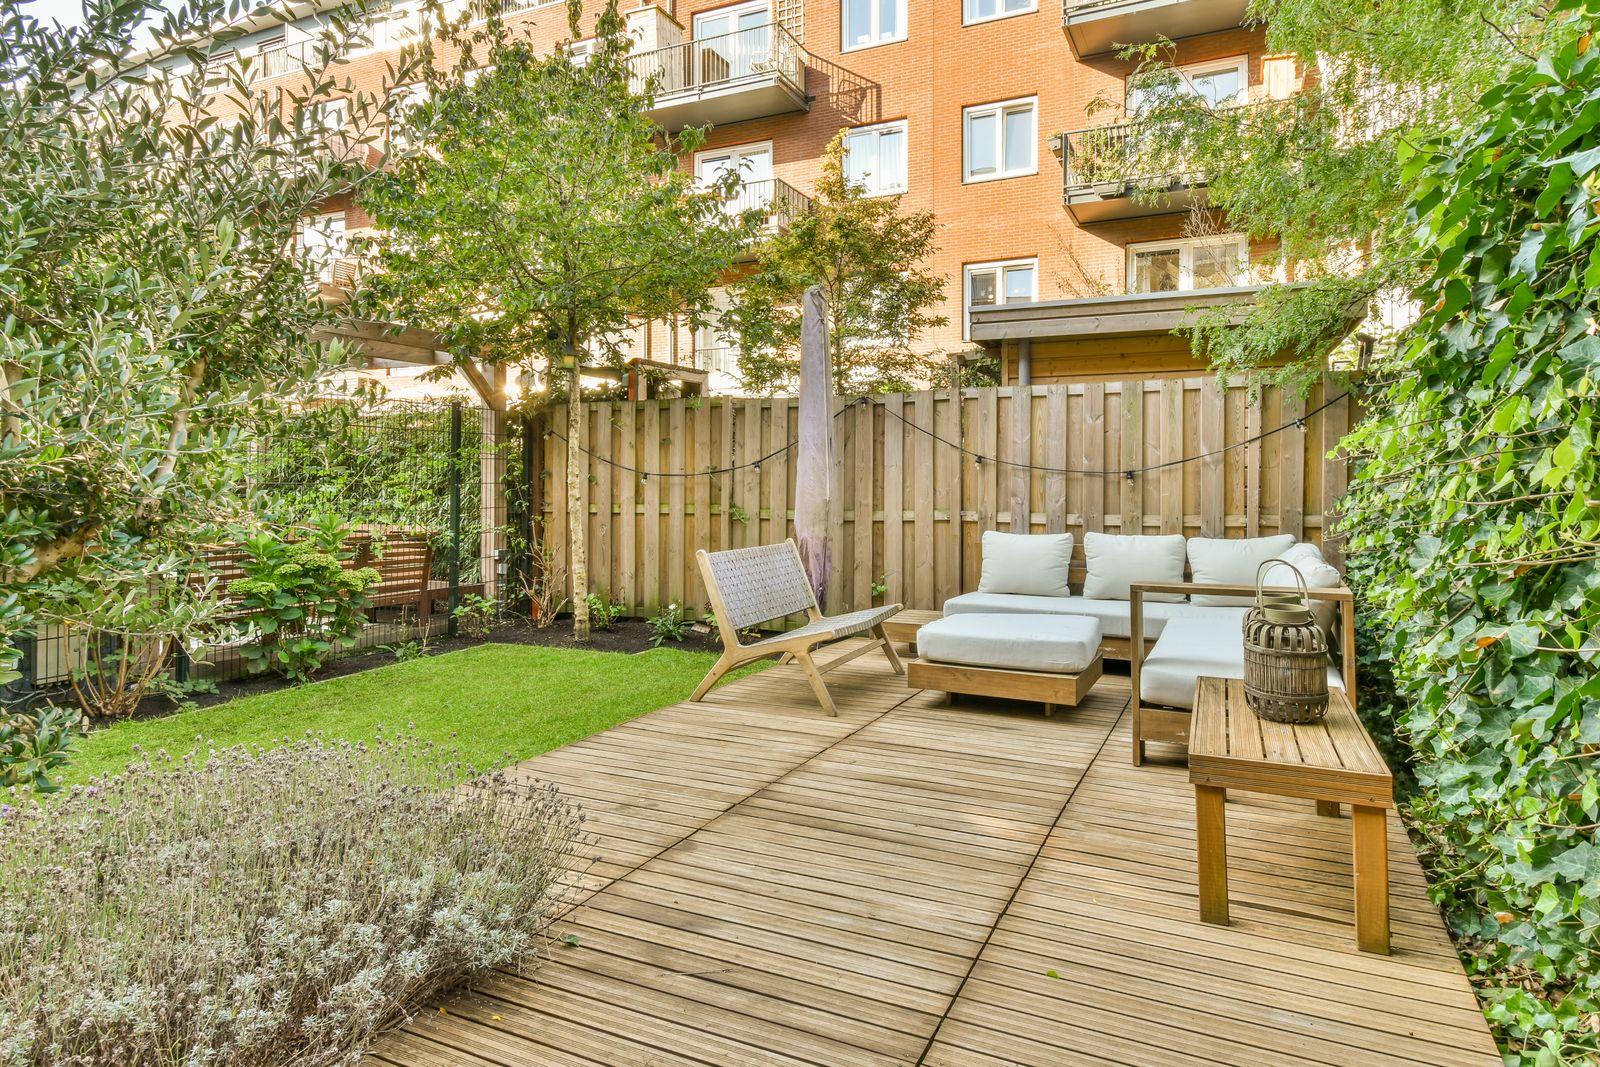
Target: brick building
[[995, 115]]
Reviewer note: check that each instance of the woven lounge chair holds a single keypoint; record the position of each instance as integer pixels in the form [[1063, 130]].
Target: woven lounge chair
[[750, 586]]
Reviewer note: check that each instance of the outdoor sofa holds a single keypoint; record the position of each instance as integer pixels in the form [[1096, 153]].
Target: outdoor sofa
[[1188, 597]]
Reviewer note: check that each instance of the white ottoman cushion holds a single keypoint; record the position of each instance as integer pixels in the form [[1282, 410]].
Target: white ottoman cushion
[[1055, 644]]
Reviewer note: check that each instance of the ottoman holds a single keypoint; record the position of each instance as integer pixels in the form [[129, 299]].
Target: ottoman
[[1051, 659]]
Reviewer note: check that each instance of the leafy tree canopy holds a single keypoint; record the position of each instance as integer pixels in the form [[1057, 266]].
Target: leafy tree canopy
[[1320, 172], [1474, 523], [869, 256], [150, 291], [542, 212]]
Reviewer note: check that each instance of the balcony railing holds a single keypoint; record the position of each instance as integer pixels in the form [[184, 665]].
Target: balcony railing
[[779, 202], [711, 62], [1118, 154]]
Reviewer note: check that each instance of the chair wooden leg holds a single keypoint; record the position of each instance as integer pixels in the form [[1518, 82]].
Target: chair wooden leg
[[714, 675], [818, 686], [1138, 741], [888, 650]]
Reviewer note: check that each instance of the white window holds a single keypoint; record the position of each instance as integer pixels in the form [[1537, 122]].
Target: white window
[[714, 350], [404, 100], [219, 71], [322, 243], [1219, 82], [327, 116], [999, 140], [1192, 263], [875, 158], [989, 10], [1014, 281], [580, 52], [732, 42], [752, 163], [870, 22]]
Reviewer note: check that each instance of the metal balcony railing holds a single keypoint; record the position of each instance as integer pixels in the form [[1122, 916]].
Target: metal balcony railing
[[1118, 154], [709, 62], [778, 201], [281, 59]]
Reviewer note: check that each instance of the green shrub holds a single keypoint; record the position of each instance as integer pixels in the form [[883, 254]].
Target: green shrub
[[669, 624], [476, 615], [301, 600], [603, 612], [1474, 522], [34, 745], [256, 908]]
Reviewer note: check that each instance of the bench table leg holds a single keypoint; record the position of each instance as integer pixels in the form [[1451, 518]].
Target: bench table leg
[[1369, 835], [1211, 836]]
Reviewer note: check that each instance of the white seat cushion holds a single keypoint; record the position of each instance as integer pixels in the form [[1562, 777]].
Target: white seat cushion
[[1027, 564], [1188, 650], [1058, 644], [1231, 561], [1112, 615], [1114, 561]]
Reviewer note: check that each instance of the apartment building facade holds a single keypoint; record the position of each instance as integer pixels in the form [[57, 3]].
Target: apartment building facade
[[997, 116]]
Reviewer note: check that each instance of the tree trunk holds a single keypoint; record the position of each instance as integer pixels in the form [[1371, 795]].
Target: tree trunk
[[814, 465], [576, 526]]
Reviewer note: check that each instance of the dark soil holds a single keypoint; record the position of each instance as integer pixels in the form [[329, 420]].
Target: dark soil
[[625, 636]]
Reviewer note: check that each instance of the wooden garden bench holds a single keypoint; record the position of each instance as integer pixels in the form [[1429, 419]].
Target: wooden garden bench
[[750, 586]]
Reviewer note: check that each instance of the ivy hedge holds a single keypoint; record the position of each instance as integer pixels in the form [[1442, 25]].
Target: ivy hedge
[[1475, 521]]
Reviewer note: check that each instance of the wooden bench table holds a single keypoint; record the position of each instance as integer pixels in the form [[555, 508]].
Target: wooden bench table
[[1332, 762]]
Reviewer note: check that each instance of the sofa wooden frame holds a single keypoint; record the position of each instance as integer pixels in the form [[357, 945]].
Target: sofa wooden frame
[[1153, 722]]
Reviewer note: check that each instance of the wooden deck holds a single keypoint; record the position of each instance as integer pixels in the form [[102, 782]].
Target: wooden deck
[[975, 886]]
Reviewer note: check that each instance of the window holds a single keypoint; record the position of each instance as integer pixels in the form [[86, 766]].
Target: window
[[875, 158], [404, 101], [327, 116], [989, 284], [871, 22], [989, 10], [752, 163], [715, 351], [322, 243], [1220, 83], [998, 140], [1194, 263], [580, 52], [219, 71], [732, 42]]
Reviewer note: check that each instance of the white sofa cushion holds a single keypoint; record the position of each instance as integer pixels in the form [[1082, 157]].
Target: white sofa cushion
[[1318, 573], [1188, 650], [1112, 615], [1027, 564], [1059, 644], [1231, 561], [1116, 561]]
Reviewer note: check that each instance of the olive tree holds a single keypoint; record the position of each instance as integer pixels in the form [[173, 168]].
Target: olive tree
[[150, 289]]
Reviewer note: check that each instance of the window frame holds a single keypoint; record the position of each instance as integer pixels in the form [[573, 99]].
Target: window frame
[[877, 40], [1185, 247], [968, 20], [308, 223], [903, 125], [999, 267], [999, 109], [1186, 71]]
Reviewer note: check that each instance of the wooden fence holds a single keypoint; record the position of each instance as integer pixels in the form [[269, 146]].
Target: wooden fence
[[918, 477]]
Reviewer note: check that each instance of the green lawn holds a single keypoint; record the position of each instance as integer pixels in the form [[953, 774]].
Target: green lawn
[[489, 702]]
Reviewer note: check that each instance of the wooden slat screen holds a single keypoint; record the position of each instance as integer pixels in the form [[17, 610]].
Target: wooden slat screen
[[908, 510]]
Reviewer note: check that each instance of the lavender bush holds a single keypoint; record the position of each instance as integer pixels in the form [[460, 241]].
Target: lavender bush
[[257, 907]]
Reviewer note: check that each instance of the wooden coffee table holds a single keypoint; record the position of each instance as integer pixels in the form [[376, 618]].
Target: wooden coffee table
[[1332, 762], [903, 626]]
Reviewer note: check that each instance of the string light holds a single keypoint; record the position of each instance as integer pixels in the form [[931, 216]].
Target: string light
[[979, 458]]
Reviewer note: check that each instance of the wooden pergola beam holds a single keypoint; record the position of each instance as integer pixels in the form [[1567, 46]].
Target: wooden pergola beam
[[384, 343]]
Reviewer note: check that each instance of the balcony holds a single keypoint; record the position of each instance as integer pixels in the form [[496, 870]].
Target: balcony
[[748, 74], [1097, 27], [1104, 180], [779, 202]]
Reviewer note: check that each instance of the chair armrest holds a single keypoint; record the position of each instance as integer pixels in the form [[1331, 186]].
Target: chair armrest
[[1340, 595]]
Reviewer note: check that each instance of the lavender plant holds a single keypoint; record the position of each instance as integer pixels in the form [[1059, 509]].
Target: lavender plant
[[251, 907]]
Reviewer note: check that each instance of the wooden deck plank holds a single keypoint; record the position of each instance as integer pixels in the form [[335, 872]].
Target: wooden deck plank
[[895, 886]]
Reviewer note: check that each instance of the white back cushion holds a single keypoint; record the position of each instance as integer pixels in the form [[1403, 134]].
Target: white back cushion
[[1232, 561], [1318, 573], [1116, 561], [1031, 564]]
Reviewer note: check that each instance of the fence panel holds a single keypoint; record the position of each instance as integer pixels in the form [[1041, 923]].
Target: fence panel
[[917, 478]]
